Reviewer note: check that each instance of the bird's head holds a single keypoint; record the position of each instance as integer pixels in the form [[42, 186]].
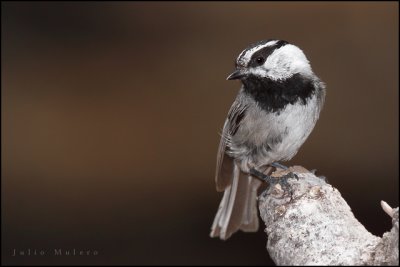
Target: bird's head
[[273, 59]]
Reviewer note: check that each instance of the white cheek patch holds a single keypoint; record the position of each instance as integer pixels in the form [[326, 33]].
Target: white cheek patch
[[285, 62], [246, 55], [260, 72]]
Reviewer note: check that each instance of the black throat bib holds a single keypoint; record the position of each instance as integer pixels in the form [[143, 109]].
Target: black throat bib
[[273, 96]]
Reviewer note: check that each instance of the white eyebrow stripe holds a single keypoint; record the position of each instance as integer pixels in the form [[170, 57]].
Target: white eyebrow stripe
[[245, 56]]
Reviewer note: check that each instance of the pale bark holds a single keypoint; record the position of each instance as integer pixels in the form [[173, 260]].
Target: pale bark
[[309, 223]]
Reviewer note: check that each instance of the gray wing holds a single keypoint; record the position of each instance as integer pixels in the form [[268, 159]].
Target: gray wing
[[238, 209], [224, 170]]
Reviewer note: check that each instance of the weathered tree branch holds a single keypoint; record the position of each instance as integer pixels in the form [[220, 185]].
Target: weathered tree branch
[[311, 224]]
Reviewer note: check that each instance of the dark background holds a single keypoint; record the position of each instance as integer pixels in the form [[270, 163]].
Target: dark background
[[111, 114]]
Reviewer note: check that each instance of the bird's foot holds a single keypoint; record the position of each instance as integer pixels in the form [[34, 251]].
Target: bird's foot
[[272, 181]]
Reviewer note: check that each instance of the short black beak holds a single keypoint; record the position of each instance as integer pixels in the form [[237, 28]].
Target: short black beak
[[237, 74]]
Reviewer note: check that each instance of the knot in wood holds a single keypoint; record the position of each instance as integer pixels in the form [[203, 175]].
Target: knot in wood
[[280, 210], [316, 192]]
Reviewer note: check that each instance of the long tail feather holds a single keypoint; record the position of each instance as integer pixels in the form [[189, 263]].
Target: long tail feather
[[238, 209]]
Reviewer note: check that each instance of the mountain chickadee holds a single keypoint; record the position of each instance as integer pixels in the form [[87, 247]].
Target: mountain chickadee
[[271, 117]]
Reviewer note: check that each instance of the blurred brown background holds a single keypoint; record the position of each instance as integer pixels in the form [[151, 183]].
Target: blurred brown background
[[111, 114]]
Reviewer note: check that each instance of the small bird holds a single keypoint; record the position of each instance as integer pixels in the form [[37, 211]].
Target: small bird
[[274, 112]]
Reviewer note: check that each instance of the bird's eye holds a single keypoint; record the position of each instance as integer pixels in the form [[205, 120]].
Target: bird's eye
[[260, 60]]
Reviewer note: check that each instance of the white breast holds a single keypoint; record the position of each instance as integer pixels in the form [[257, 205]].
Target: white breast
[[264, 137]]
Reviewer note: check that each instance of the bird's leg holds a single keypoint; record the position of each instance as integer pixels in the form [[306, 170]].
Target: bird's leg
[[263, 177], [277, 165], [274, 180]]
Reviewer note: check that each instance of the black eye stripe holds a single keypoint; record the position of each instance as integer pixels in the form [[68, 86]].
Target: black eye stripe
[[260, 60], [264, 53]]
